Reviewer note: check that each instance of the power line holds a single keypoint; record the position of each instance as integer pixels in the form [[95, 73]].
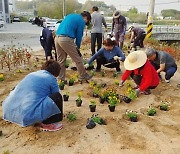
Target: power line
[[155, 3]]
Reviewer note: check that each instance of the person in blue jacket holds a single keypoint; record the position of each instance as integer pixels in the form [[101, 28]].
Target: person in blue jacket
[[109, 56], [36, 99], [68, 41], [47, 42]]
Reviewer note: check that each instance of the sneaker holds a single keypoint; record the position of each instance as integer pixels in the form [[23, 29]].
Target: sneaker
[[86, 77], [51, 127], [167, 81]]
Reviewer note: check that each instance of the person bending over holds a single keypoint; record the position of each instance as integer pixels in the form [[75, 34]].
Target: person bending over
[[141, 71], [109, 55]]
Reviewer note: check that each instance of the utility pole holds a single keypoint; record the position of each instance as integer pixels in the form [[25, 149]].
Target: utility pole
[[64, 8], [150, 18], [4, 13]]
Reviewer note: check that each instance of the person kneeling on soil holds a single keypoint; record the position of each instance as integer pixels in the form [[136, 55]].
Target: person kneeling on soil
[[141, 71], [162, 62], [109, 55], [36, 99]]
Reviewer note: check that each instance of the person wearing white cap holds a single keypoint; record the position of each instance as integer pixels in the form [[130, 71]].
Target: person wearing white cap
[[142, 72], [137, 36], [109, 55], [119, 27]]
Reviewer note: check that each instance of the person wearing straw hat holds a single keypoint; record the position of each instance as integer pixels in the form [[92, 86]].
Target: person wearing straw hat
[[119, 27], [137, 36], [109, 55], [141, 71]]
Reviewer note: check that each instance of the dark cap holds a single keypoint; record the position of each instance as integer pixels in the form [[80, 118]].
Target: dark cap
[[88, 15]]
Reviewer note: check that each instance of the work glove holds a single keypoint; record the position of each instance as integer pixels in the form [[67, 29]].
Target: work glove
[[86, 66], [138, 92], [116, 58], [121, 84]]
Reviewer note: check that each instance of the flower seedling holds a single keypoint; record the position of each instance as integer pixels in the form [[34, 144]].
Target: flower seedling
[[151, 111], [113, 100], [116, 82], [103, 73], [98, 120], [71, 116], [92, 73], [132, 115], [92, 84], [19, 71], [96, 92], [61, 84], [35, 64], [72, 80], [66, 96], [164, 106], [92, 106], [79, 99], [115, 74], [67, 63], [131, 92], [1, 77]]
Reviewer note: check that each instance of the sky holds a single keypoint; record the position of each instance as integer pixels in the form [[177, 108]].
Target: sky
[[142, 5]]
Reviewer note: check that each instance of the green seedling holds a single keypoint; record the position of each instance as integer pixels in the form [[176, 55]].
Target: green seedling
[[71, 116]]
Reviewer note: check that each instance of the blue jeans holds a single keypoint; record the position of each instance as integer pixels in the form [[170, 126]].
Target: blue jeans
[[170, 72]]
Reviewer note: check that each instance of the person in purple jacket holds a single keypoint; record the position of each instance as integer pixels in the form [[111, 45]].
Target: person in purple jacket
[[109, 55]]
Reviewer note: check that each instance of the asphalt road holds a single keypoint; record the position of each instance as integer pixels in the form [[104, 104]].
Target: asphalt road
[[19, 34]]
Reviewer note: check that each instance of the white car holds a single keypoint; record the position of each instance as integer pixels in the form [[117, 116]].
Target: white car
[[1, 23], [49, 23], [57, 24]]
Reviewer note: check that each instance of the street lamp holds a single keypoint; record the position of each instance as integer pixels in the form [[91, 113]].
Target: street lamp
[[64, 8]]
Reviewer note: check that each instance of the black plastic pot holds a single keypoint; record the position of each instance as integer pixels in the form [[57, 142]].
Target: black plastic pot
[[71, 83], [111, 108], [133, 119], [125, 99], [92, 108], [95, 95], [65, 97], [61, 87], [66, 66], [78, 103], [102, 100]]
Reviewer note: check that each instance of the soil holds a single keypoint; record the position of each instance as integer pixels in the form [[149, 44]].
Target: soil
[[159, 134]]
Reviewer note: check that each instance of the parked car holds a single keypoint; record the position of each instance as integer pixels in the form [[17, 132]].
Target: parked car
[[16, 19], [58, 23], [49, 23], [1, 23]]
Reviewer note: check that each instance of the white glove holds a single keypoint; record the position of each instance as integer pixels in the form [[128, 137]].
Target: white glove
[[121, 84], [116, 58], [86, 66]]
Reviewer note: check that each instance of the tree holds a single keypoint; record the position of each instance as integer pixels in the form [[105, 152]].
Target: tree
[[171, 13]]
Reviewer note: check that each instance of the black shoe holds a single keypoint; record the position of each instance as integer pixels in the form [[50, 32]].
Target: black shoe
[[90, 124]]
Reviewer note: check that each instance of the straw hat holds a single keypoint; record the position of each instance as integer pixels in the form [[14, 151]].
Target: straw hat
[[135, 60], [116, 14]]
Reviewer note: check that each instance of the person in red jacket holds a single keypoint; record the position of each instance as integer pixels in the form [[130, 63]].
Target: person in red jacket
[[141, 71]]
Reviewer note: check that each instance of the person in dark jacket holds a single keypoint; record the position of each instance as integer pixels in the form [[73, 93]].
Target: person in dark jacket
[[141, 71], [119, 28], [137, 36], [47, 42], [109, 56]]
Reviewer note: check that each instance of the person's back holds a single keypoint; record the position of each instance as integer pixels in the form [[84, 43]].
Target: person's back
[[97, 21], [164, 57], [30, 99], [138, 31]]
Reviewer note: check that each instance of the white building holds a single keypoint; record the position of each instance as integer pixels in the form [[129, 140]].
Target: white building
[[12, 6]]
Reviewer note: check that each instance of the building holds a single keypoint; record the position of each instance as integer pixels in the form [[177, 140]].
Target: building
[[4, 9]]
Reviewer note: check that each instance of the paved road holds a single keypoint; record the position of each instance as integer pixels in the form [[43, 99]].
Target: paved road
[[22, 33]]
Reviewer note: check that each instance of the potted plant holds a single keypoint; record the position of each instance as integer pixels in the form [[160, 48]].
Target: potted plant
[[164, 106], [151, 111], [67, 63], [66, 96], [71, 80], [115, 74], [1, 77], [116, 82], [132, 115], [113, 100], [92, 106], [125, 99], [131, 92], [96, 92], [98, 120], [103, 97], [71, 116], [61, 84], [79, 99]]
